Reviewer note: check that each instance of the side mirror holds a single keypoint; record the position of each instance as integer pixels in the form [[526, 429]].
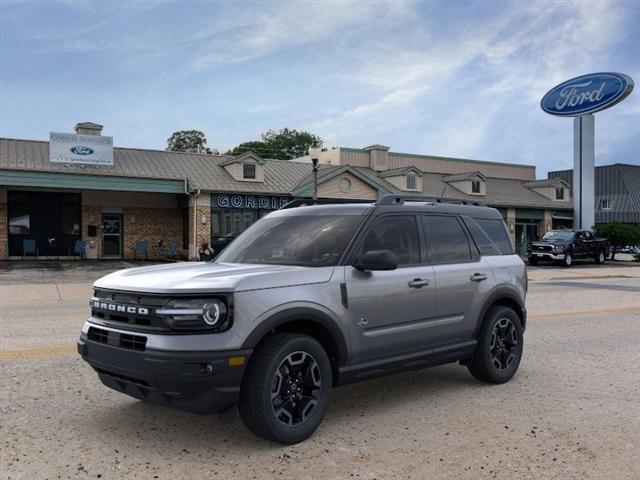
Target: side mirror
[[377, 260]]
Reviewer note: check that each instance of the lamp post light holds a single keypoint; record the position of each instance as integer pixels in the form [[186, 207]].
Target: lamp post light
[[314, 153]]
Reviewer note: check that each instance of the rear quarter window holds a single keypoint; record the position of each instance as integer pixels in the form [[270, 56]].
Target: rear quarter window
[[490, 235]]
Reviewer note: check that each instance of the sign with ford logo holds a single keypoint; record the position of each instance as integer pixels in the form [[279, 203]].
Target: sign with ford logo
[[80, 149], [587, 94]]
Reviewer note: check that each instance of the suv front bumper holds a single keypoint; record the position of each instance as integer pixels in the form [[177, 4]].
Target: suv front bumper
[[546, 255], [197, 382]]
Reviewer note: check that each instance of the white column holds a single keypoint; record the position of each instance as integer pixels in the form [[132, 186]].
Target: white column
[[583, 171]]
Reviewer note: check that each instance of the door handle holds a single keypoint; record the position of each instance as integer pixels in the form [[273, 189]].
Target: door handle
[[478, 277], [418, 283]]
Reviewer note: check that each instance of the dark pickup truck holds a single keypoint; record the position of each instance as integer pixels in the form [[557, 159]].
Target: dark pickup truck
[[566, 245]]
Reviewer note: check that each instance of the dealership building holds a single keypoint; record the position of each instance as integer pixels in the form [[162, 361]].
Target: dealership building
[[112, 199]]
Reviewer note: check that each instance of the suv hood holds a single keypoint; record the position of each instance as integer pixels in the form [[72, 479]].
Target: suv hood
[[207, 277]]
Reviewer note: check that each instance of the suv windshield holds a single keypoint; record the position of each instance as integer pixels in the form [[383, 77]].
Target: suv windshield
[[558, 235], [304, 240]]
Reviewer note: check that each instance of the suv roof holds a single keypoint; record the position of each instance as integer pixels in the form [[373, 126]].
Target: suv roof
[[393, 203]]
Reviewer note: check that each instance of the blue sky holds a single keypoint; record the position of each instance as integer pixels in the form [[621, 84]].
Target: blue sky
[[461, 79]]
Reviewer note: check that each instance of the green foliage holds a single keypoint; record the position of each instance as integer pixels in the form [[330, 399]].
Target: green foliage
[[619, 234], [284, 144], [259, 148], [188, 141]]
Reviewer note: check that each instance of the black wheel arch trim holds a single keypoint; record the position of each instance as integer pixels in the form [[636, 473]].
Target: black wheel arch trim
[[307, 314], [502, 292]]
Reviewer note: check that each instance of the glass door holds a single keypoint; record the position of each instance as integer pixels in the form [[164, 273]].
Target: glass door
[[111, 235], [525, 233]]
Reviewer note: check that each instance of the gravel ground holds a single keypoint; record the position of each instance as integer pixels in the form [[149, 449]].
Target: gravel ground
[[571, 412]]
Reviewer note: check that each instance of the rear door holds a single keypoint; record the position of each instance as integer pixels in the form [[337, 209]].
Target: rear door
[[391, 312], [462, 278]]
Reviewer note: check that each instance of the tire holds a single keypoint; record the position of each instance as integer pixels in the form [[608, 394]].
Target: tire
[[268, 370], [568, 260], [532, 260], [490, 363], [600, 257]]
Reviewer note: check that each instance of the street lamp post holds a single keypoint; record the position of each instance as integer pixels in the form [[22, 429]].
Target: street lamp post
[[314, 153]]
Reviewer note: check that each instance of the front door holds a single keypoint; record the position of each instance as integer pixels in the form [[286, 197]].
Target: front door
[[111, 235], [391, 312]]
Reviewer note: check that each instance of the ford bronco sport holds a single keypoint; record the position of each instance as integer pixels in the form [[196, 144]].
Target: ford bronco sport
[[309, 298]]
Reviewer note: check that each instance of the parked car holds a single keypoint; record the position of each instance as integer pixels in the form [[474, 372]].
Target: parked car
[[565, 246], [309, 298]]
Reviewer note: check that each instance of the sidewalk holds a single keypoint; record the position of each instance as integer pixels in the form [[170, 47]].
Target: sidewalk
[[585, 271]]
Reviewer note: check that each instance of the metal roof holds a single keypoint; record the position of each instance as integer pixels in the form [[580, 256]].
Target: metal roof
[[463, 176], [284, 177]]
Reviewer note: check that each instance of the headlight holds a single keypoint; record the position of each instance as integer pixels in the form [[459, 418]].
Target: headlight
[[198, 314], [559, 248]]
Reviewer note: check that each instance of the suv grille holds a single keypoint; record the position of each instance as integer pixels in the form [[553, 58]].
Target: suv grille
[[122, 340], [123, 310]]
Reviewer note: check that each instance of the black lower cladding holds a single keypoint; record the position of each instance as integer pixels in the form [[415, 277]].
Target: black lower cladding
[[197, 382]]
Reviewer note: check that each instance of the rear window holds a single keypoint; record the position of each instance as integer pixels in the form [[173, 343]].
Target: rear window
[[493, 237]]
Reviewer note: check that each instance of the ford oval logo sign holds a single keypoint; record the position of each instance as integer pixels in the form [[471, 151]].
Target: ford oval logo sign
[[587, 94], [79, 150]]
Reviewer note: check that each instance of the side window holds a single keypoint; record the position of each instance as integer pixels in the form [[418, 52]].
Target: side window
[[497, 232], [447, 240], [398, 233], [484, 243]]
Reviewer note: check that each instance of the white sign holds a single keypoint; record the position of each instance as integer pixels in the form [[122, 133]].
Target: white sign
[[77, 149]]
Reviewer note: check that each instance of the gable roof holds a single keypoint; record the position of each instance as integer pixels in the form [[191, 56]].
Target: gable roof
[[463, 176], [326, 172], [248, 155], [547, 182], [394, 172]]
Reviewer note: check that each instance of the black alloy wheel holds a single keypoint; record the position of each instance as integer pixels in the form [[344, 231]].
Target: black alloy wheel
[[500, 346], [504, 343], [285, 389], [296, 388]]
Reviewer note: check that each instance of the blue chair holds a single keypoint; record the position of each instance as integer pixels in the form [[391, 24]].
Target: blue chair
[[29, 248], [141, 248], [79, 248], [172, 248]]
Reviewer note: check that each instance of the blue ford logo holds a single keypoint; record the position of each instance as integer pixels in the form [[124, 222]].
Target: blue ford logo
[[587, 94], [79, 150]]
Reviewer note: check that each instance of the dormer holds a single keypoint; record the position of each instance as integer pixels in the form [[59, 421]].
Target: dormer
[[247, 167], [554, 189], [472, 183], [408, 179]]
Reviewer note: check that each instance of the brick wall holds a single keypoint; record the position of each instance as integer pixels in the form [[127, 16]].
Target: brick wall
[[151, 224], [4, 241]]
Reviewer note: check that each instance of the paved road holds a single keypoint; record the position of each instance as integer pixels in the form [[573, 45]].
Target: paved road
[[573, 410]]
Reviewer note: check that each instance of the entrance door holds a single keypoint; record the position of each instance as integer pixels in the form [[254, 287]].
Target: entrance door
[[525, 233], [111, 235]]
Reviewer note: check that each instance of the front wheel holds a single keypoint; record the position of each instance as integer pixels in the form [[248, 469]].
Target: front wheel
[[500, 346], [600, 257], [285, 390], [533, 260], [567, 261]]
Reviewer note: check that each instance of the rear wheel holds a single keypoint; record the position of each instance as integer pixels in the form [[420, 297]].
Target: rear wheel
[[285, 391], [500, 346]]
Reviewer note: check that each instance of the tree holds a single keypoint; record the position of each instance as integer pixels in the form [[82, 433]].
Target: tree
[[284, 144], [188, 141], [619, 234], [257, 147]]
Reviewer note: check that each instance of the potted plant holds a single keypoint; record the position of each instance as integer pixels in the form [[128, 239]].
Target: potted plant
[[205, 252]]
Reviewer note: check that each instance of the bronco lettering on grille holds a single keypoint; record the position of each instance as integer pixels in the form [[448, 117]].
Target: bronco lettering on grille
[[112, 307]]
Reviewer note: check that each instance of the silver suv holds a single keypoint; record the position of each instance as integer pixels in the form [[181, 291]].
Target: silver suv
[[309, 298]]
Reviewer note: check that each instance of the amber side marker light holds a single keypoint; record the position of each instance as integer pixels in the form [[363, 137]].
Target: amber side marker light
[[236, 361]]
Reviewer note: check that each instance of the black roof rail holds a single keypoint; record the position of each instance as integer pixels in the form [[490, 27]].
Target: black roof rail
[[304, 202], [401, 198]]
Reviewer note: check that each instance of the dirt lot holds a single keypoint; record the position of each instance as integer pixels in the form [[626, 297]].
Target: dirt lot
[[571, 412]]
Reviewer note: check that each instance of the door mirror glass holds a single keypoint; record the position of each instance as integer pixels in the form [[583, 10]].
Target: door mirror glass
[[377, 260]]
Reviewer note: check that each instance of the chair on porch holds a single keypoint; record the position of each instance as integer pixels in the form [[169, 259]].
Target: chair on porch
[[29, 248], [79, 248], [141, 248], [172, 248]]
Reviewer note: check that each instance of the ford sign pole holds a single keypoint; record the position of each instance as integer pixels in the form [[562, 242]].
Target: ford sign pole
[[580, 97]]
